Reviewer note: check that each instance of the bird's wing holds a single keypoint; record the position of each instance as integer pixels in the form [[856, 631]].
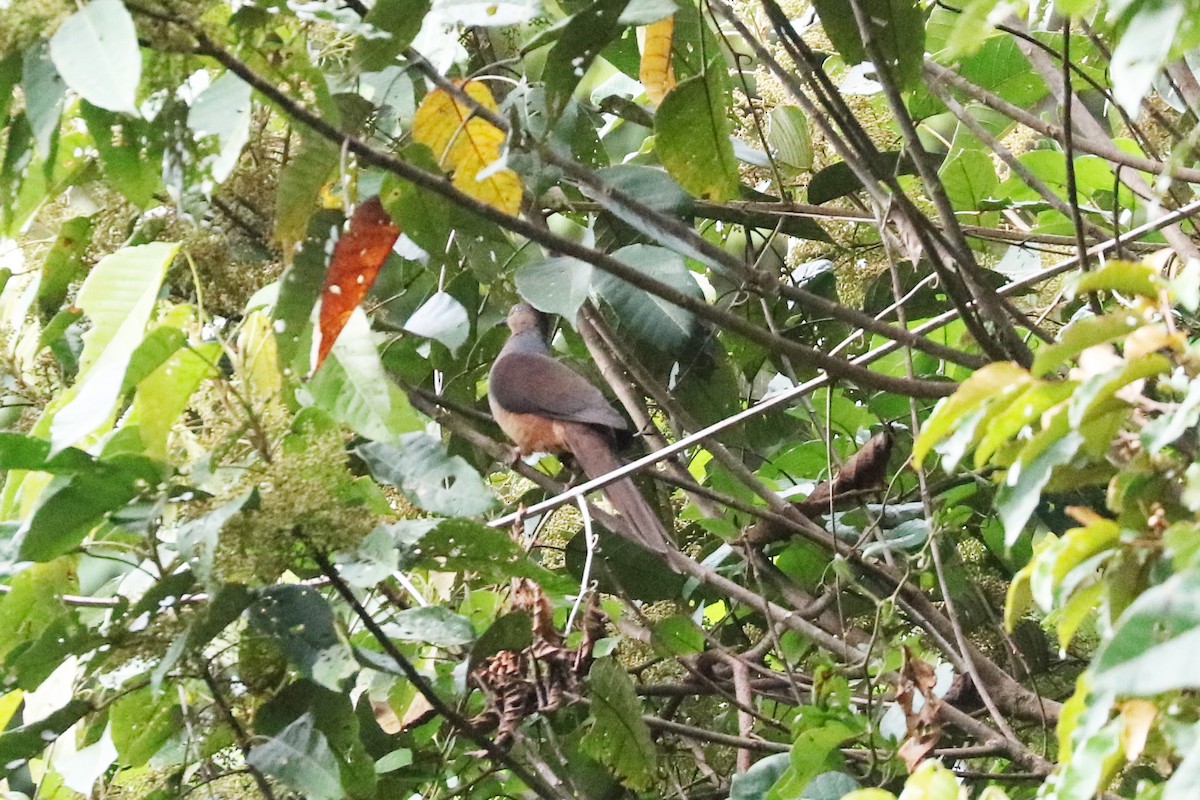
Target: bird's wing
[[532, 383]]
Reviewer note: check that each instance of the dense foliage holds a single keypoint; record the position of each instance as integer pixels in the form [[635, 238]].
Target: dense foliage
[[899, 296]]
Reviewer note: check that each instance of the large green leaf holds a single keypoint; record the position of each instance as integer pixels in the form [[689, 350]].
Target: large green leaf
[[223, 110], [163, 394], [44, 94], [64, 263], [131, 160], [437, 482], [649, 318], [73, 504], [118, 297], [1153, 648], [400, 21], [557, 285], [434, 625], [18, 745], [1080, 335], [619, 738], [142, 724], [984, 386], [814, 750], [1021, 491], [97, 53], [896, 27], [692, 136], [300, 757], [354, 389], [581, 40], [302, 622], [299, 192]]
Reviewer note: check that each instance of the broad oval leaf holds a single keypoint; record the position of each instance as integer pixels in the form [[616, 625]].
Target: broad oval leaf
[[653, 320], [97, 53], [692, 133]]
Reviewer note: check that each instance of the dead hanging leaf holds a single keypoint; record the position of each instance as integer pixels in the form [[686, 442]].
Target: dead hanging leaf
[[468, 146], [656, 72], [863, 472], [357, 257], [519, 683], [914, 693]]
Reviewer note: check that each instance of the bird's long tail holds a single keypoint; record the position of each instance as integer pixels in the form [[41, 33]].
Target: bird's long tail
[[594, 453]]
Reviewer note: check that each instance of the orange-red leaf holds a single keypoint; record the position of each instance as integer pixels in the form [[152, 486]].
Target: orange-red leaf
[[468, 146], [357, 257], [656, 72]]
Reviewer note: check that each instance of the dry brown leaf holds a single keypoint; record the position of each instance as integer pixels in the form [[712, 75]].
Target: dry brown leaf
[[917, 679], [864, 471]]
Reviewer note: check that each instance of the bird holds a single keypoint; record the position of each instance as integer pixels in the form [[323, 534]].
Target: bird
[[544, 406]]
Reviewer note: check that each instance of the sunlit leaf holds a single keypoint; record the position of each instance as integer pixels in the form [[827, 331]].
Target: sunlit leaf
[[692, 136], [97, 53]]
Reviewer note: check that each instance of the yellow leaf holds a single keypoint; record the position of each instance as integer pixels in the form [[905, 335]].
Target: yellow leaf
[[656, 72], [467, 146], [1137, 716]]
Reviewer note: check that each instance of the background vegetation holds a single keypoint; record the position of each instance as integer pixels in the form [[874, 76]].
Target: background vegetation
[[900, 296]]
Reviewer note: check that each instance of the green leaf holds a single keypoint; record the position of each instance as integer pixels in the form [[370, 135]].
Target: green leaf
[[896, 27], [556, 285], [692, 136], [354, 389], [142, 724], [583, 37], [299, 192], [333, 717], [118, 297], [463, 546], [131, 160], [1079, 336], [1017, 498], [1153, 648], [299, 289], [1143, 50], [969, 178], [1052, 563], [1096, 395], [619, 738], [223, 110], [26, 742], [649, 318], [813, 750], [838, 180], [158, 346], [790, 137], [1127, 277], [931, 781], [432, 479], [302, 622], [1170, 426], [985, 385], [44, 94], [1027, 407], [34, 602], [435, 625], [1186, 777], [676, 636], [762, 775], [163, 395], [443, 319], [400, 20], [71, 505], [97, 53], [197, 540], [300, 757], [64, 263]]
